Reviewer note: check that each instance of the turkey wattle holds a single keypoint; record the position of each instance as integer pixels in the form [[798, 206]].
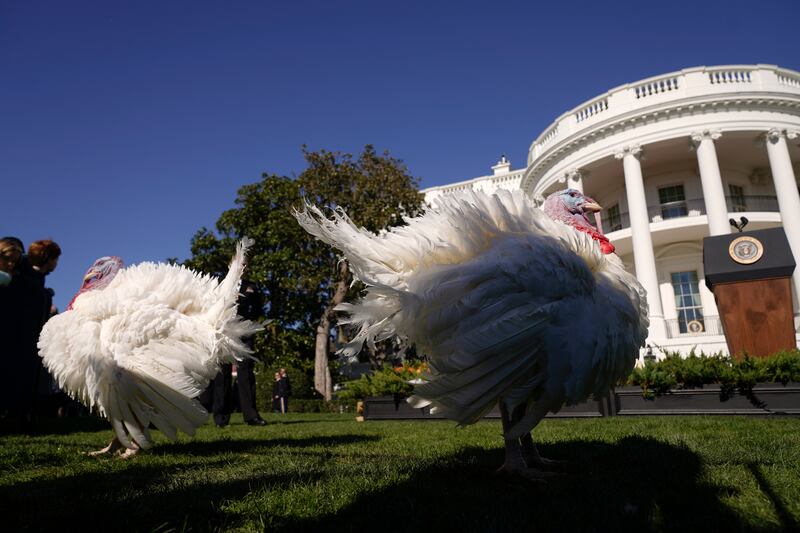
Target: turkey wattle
[[139, 344], [511, 304]]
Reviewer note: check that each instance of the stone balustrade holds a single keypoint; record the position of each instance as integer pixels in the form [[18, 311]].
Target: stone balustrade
[[688, 85], [509, 180]]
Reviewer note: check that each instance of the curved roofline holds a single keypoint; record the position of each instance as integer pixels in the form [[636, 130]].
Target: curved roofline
[[727, 76]]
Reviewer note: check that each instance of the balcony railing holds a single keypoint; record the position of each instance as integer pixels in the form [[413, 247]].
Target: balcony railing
[[691, 208], [699, 82], [678, 209], [744, 204], [710, 325]]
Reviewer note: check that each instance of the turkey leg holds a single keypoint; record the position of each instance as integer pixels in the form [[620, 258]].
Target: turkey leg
[[515, 461]]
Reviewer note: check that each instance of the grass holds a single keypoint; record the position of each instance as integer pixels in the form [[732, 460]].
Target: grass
[[330, 473]]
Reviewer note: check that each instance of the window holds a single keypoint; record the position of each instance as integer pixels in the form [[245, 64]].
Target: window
[[687, 302], [673, 202], [738, 202], [613, 220]]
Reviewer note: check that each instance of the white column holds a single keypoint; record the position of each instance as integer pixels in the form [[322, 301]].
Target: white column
[[643, 256], [786, 190], [713, 192], [574, 179]]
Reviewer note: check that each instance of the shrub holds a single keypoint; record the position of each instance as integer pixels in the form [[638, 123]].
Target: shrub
[[320, 406], [383, 382], [675, 371]]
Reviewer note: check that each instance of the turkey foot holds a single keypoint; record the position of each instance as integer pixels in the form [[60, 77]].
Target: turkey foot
[[531, 474], [516, 464], [112, 447], [129, 452], [116, 446], [532, 458]]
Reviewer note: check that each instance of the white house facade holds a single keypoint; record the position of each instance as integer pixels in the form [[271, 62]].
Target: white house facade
[[672, 159]]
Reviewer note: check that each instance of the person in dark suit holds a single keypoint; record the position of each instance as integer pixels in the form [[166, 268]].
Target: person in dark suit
[[251, 306], [23, 314], [219, 396], [278, 397], [286, 389], [43, 259], [11, 252]]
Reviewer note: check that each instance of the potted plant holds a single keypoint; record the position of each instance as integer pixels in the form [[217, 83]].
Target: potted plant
[[716, 384]]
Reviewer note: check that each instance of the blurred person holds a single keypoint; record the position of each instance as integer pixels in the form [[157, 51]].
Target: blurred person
[[43, 259], [251, 306], [21, 319], [277, 395], [10, 254], [217, 397], [287, 388]]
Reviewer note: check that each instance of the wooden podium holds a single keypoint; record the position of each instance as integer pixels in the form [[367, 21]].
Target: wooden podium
[[750, 276]]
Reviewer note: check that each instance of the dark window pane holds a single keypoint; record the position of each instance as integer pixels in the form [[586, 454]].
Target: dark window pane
[[687, 300]]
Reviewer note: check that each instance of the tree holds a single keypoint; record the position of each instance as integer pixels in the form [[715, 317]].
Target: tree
[[377, 192], [302, 278], [281, 261]]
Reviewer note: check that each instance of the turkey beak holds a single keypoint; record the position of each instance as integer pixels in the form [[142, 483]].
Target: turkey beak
[[592, 207]]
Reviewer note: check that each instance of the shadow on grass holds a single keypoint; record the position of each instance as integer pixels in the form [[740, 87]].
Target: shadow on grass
[[637, 483], [238, 445], [140, 498], [137, 495], [54, 426], [785, 517]]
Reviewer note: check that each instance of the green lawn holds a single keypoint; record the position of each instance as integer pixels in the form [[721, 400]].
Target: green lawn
[[331, 473]]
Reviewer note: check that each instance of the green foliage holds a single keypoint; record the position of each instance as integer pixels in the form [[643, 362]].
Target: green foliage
[[297, 273], [299, 377], [384, 382], [377, 192], [675, 371], [321, 406]]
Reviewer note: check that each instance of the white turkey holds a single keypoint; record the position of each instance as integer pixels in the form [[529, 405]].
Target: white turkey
[[512, 304], [139, 344]]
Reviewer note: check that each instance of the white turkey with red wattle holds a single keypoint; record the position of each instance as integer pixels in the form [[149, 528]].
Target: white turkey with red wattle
[[510, 303], [139, 344]]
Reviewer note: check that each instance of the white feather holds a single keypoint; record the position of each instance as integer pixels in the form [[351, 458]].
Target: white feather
[[141, 349], [504, 301]]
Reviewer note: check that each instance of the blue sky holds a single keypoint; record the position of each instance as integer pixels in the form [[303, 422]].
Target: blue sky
[[126, 126]]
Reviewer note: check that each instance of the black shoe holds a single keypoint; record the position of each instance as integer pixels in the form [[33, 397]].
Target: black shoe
[[256, 422]]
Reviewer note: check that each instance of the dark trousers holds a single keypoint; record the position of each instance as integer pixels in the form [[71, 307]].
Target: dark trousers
[[246, 383], [221, 404]]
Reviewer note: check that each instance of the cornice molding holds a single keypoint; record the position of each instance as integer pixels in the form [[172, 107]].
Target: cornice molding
[[675, 109]]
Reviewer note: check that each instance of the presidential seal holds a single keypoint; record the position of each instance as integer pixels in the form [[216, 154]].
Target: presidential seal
[[694, 326], [746, 250]]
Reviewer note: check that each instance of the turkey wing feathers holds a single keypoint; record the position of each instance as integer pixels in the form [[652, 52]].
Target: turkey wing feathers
[[505, 302]]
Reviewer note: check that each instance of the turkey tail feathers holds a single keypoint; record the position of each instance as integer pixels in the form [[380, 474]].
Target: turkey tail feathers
[[223, 312], [230, 285], [373, 262]]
